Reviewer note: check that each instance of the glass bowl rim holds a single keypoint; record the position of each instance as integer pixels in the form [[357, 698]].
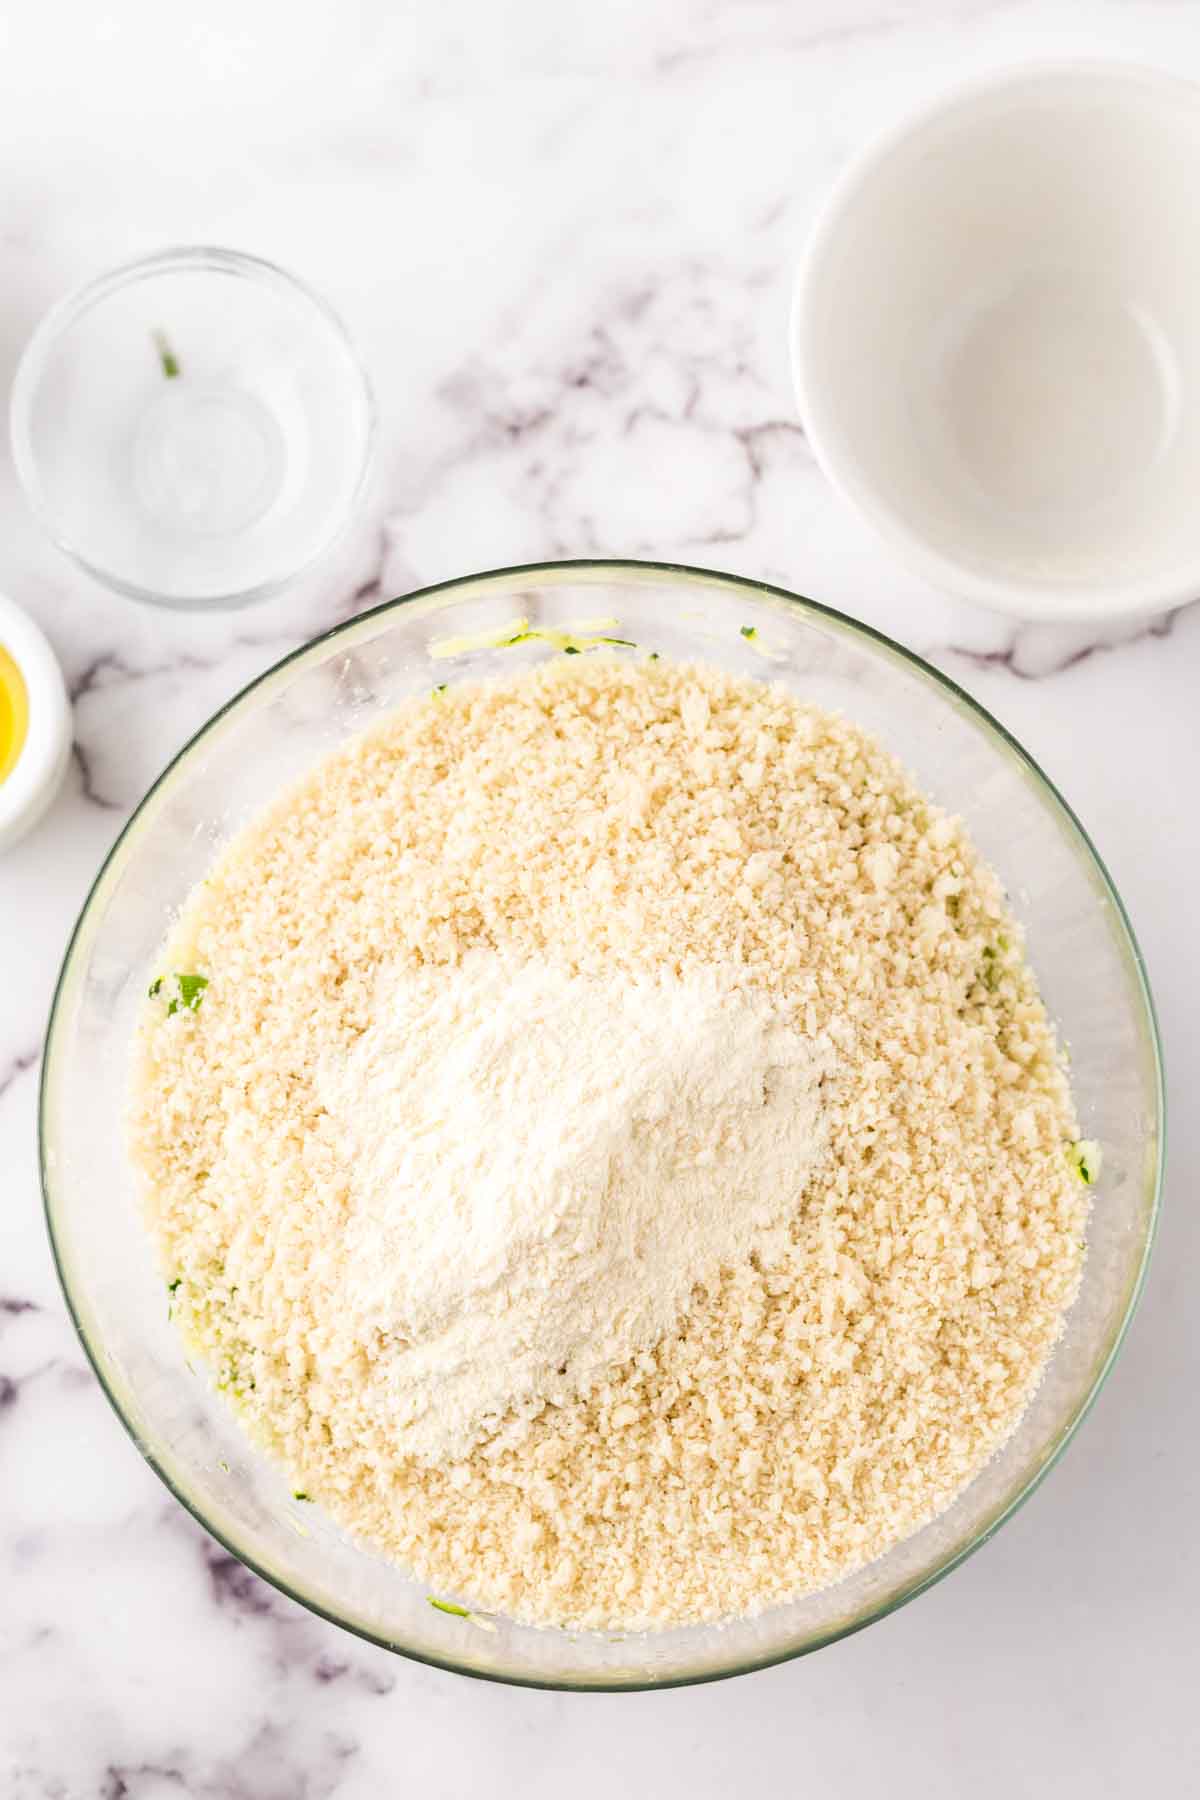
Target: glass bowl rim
[[565, 571], [73, 305]]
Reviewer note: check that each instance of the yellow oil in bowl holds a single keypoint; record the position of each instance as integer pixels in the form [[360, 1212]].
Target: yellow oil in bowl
[[14, 713]]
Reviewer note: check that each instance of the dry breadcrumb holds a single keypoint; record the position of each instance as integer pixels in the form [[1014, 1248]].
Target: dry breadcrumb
[[619, 815]]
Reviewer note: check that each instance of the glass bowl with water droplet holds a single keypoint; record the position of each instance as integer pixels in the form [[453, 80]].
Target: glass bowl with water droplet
[[194, 429]]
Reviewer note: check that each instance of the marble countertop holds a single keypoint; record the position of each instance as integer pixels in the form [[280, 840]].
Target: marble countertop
[[562, 237]]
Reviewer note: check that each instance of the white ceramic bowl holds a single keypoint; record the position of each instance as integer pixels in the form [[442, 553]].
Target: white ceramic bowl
[[996, 340]]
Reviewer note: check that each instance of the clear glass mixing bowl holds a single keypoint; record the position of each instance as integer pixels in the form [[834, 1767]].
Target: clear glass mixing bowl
[[1079, 939]]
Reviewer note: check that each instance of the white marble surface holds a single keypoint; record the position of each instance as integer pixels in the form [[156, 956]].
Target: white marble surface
[[562, 238]]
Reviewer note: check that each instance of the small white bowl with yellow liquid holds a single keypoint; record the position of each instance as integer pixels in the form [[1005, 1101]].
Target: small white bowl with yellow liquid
[[35, 724]]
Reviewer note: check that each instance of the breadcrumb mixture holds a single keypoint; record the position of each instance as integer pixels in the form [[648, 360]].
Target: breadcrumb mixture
[[810, 1409]]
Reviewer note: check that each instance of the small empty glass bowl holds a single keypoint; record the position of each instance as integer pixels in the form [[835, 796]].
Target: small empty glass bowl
[[194, 429]]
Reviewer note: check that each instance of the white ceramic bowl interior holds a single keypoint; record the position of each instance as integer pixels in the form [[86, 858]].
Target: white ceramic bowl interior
[[996, 340]]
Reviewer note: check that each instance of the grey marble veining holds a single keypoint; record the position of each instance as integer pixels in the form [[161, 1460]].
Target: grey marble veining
[[563, 239]]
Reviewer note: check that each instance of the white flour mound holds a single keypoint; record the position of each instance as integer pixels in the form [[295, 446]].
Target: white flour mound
[[541, 1168]]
